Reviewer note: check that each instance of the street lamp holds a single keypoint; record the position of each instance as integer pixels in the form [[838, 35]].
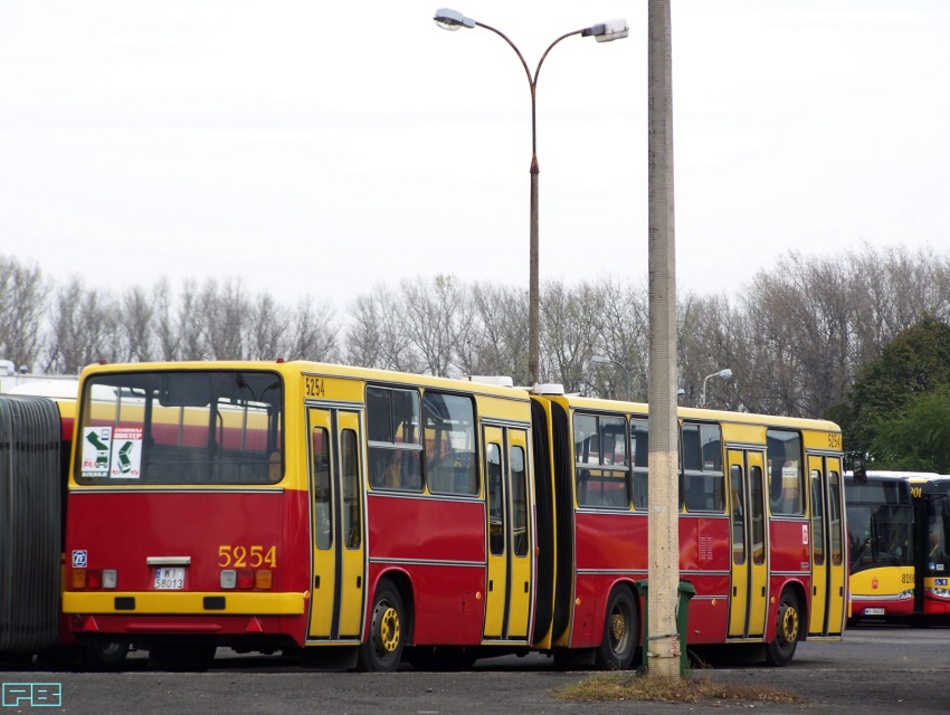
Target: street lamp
[[724, 374], [449, 19], [601, 360]]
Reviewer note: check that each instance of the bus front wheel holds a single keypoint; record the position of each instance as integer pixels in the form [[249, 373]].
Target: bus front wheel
[[782, 648], [621, 632], [382, 651]]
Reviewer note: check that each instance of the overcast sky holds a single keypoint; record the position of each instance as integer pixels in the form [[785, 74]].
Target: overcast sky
[[318, 149]]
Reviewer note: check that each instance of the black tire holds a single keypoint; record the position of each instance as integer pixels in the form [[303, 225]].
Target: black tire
[[382, 651], [788, 628], [621, 631], [181, 658], [103, 656]]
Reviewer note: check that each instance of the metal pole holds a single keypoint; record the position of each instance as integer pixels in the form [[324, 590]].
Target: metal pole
[[449, 19], [534, 288], [663, 646]]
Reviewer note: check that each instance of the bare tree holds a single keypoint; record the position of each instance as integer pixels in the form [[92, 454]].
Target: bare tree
[[624, 337], [136, 325], [437, 319], [167, 331], [364, 336], [707, 341], [891, 290], [84, 329], [569, 326], [818, 321], [378, 338], [497, 343], [314, 336], [225, 311], [191, 325], [22, 311], [269, 327]]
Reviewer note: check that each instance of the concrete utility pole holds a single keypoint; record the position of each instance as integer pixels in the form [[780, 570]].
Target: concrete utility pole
[[663, 647]]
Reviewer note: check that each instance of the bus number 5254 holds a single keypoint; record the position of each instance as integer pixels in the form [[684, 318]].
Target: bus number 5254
[[239, 557]]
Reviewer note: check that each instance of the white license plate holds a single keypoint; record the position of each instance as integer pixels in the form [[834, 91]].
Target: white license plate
[[168, 578], [874, 611]]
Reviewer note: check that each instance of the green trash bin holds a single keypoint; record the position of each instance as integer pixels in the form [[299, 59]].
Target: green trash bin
[[686, 592]]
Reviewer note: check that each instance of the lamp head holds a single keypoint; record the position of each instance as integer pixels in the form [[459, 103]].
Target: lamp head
[[725, 374], [449, 19], [600, 359], [607, 31]]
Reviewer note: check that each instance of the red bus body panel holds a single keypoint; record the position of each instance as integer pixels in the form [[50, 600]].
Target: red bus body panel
[[440, 546]]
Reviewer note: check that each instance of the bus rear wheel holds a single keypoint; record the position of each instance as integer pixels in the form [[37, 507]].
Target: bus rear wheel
[[382, 651], [103, 656], [621, 632], [782, 648]]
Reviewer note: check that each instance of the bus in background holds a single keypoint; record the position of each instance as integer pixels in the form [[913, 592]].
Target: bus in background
[[880, 517], [370, 515], [30, 526], [761, 530], [931, 499], [35, 439], [21, 382]]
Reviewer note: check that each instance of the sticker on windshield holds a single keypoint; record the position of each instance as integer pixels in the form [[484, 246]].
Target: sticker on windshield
[[126, 453], [96, 446]]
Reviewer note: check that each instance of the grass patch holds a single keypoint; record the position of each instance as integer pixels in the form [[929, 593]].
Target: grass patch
[[616, 686]]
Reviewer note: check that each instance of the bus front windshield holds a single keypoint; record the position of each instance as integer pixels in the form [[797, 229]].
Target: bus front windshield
[[181, 427], [880, 535]]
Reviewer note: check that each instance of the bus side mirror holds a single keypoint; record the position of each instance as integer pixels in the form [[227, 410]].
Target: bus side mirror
[[855, 462]]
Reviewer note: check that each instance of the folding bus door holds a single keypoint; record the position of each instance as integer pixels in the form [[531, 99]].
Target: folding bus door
[[336, 517], [510, 535], [749, 595], [828, 567]]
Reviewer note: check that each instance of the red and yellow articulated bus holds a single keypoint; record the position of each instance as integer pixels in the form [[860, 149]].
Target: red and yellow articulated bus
[[374, 516]]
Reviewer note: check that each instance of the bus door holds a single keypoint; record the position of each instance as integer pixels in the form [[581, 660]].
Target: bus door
[[827, 557], [508, 589], [336, 518], [749, 596]]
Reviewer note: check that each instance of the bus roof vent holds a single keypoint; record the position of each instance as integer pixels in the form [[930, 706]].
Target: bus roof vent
[[548, 388], [497, 380]]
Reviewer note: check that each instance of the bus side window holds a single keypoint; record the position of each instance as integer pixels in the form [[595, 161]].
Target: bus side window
[[379, 460], [352, 519], [738, 515], [640, 447], [496, 504], [320, 448], [702, 468]]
